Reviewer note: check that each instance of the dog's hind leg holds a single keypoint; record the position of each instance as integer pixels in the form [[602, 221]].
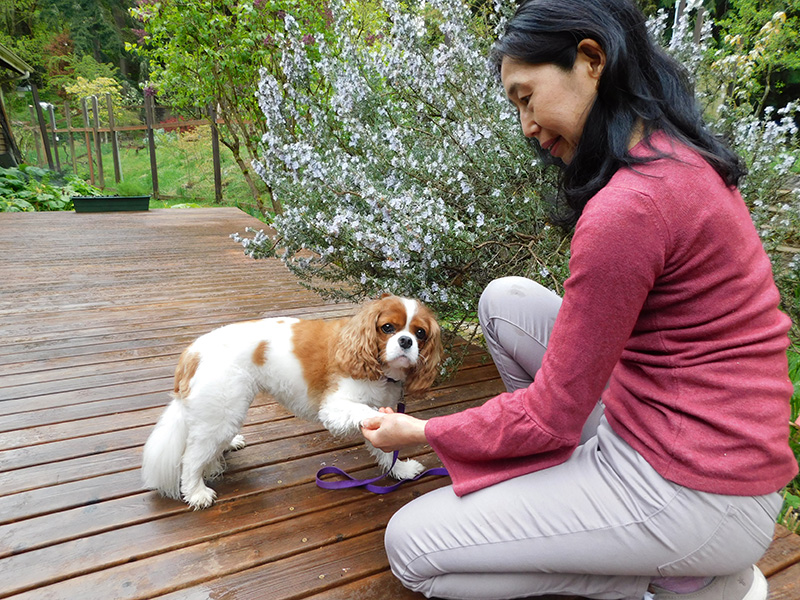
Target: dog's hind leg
[[200, 456], [216, 468]]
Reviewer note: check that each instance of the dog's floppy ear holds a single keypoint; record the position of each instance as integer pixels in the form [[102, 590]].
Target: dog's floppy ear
[[357, 352], [423, 376]]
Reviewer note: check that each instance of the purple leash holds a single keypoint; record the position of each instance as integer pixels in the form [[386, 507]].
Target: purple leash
[[369, 484]]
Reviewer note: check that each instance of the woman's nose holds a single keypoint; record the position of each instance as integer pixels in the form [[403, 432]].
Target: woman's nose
[[529, 126]]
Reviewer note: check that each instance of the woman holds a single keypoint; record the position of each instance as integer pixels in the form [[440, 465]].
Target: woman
[[666, 489]]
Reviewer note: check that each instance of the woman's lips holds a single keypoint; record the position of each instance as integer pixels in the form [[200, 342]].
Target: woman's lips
[[551, 145]]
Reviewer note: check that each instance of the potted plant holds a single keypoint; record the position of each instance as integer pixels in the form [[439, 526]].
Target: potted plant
[[110, 203]]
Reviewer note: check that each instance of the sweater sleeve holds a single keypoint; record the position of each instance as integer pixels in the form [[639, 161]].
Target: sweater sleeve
[[617, 252]]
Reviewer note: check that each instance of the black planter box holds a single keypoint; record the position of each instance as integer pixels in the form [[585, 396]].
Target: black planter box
[[110, 203]]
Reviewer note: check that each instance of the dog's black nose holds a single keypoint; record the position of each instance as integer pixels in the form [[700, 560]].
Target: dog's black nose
[[405, 342]]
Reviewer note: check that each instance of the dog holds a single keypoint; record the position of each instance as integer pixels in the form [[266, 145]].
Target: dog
[[335, 372]]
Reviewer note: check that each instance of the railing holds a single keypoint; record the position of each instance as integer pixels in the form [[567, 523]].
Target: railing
[[48, 137]]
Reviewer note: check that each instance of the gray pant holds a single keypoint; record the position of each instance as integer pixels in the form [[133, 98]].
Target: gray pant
[[600, 525]]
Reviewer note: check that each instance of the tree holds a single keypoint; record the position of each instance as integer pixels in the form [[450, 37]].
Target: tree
[[60, 37], [763, 38], [210, 53]]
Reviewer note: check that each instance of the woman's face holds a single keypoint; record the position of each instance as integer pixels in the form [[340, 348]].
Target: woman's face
[[552, 102]]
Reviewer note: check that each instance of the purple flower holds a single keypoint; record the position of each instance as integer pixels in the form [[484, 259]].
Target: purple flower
[[141, 36], [372, 38], [150, 91], [308, 39]]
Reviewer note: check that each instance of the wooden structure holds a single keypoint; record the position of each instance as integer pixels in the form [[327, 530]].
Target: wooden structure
[[48, 135], [94, 310], [12, 67]]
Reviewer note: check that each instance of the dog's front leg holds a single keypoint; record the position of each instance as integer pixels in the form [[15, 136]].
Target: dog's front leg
[[344, 417], [403, 469]]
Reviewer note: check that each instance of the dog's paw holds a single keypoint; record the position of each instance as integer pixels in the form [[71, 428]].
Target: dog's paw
[[237, 443], [202, 498], [406, 469]]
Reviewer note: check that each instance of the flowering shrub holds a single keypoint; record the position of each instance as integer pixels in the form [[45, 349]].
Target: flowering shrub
[[400, 164], [401, 167], [99, 86], [176, 123]]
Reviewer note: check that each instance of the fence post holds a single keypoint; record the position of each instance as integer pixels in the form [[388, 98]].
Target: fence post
[[151, 139], [42, 127], [97, 143], [71, 138], [86, 139], [698, 24], [680, 6], [35, 133], [52, 115], [212, 116], [114, 139]]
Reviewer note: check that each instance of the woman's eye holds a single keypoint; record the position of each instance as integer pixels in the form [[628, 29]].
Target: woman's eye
[[421, 334], [525, 100], [388, 328]]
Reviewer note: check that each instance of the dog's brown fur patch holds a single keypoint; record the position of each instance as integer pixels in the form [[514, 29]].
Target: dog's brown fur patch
[[187, 366], [311, 342], [260, 353]]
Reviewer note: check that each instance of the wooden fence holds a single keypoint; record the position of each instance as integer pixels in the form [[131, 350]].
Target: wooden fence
[[48, 138]]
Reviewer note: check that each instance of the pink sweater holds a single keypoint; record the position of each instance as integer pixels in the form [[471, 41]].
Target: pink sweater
[[671, 300]]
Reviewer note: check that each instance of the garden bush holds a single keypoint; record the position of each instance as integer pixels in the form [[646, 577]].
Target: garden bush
[[28, 189], [400, 164], [401, 167]]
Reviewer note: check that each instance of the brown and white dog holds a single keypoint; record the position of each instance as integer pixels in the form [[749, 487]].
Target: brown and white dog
[[335, 372]]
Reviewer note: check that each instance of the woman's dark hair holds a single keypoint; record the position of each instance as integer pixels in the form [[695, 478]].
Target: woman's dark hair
[[639, 82]]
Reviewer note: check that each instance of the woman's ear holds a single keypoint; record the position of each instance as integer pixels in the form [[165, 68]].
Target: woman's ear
[[592, 56]]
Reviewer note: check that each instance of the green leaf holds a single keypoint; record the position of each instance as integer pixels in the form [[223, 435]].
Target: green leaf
[[791, 500]]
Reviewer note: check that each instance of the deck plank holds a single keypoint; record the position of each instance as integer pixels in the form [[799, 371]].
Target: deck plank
[[94, 311]]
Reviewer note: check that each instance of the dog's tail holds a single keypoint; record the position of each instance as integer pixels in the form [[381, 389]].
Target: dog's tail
[[161, 460]]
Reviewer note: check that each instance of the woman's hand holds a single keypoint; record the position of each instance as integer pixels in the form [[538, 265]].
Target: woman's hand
[[393, 431]]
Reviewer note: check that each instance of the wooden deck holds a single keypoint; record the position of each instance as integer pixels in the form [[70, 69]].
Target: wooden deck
[[94, 310]]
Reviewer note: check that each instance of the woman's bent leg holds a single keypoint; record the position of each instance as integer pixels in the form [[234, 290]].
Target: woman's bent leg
[[517, 316], [601, 525]]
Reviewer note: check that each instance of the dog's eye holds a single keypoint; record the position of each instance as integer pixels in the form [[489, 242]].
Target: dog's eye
[[421, 334], [388, 328]]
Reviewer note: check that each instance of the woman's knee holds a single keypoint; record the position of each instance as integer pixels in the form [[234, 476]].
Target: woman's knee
[[504, 297], [497, 293], [402, 550]]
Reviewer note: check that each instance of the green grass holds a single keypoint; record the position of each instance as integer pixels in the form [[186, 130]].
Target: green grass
[[184, 168]]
